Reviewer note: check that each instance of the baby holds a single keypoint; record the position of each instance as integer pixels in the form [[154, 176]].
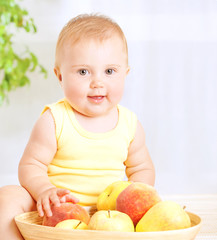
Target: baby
[[84, 142]]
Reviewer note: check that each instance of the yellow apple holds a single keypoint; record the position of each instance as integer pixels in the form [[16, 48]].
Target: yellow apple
[[71, 224], [165, 215], [111, 221], [107, 199]]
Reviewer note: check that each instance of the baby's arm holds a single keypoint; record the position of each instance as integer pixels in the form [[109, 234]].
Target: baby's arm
[[139, 166], [39, 152]]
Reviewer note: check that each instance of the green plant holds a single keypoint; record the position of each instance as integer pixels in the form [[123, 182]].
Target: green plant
[[14, 67]]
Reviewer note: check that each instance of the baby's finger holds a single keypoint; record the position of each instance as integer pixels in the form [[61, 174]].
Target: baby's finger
[[46, 207], [69, 198], [55, 199], [61, 192], [40, 209]]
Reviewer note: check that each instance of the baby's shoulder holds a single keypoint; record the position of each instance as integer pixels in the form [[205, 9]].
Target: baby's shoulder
[[126, 113]]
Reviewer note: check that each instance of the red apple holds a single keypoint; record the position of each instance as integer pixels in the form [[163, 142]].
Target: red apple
[[66, 211], [136, 200]]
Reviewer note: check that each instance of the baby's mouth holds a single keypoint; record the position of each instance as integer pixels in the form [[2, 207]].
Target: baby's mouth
[[96, 99]]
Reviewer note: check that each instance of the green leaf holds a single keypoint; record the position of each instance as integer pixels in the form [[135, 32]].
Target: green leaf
[[24, 80], [14, 67], [5, 86], [5, 18], [44, 71], [2, 29]]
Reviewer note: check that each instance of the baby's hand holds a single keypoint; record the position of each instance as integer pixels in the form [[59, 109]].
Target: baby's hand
[[53, 196]]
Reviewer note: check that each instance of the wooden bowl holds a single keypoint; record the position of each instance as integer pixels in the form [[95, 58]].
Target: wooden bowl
[[30, 227]]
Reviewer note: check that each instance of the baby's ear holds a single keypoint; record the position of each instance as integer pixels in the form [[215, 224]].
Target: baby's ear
[[128, 70], [58, 74]]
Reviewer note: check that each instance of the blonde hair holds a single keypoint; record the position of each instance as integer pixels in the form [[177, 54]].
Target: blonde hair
[[88, 26]]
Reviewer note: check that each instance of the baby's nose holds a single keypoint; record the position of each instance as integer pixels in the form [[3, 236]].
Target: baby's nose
[[96, 83]]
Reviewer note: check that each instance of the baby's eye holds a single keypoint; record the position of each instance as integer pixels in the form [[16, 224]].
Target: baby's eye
[[83, 72], [109, 71]]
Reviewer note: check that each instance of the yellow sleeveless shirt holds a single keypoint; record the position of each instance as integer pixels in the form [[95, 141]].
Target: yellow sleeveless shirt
[[85, 162]]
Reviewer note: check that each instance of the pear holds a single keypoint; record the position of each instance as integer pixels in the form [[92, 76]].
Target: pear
[[165, 215]]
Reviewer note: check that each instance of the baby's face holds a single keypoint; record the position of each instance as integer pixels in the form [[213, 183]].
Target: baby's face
[[92, 75]]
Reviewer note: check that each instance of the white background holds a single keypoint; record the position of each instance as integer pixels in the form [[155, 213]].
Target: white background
[[171, 87]]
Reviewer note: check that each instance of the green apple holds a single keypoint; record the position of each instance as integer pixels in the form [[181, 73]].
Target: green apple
[[71, 224], [111, 220], [107, 199]]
